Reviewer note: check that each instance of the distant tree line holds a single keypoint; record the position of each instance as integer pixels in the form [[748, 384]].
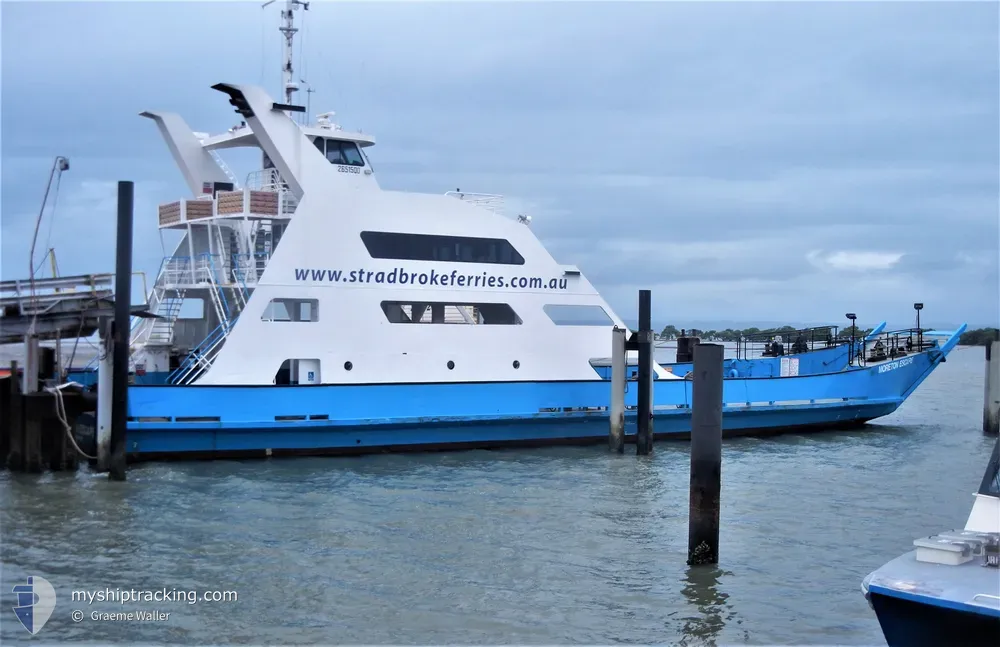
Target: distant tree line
[[979, 337], [732, 334]]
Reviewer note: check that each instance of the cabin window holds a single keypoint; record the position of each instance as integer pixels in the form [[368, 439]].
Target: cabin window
[[191, 308], [577, 315], [298, 371], [450, 249], [281, 309], [440, 312], [339, 152]]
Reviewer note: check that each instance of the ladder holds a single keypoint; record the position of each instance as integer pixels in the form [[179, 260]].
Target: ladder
[[225, 168], [162, 331]]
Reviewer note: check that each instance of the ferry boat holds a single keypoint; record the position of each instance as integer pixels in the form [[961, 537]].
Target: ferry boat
[[947, 590], [337, 316]]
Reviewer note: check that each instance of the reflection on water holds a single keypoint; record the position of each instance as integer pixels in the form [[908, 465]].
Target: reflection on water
[[701, 589], [553, 546]]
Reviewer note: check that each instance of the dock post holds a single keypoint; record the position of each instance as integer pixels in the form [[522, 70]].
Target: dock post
[[616, 433], [105, 373], [991, 402], [5, 419], [644, 411], [30, 410], [30, 379], [706, 455], [121, 330], [15, 423]]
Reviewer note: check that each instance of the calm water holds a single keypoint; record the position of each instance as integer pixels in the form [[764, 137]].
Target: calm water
[[539, 546]]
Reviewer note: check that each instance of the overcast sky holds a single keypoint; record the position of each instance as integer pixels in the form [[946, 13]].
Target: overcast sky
[[748, 162]]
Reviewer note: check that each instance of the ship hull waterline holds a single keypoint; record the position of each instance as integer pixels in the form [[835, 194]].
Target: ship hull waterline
[[226, 421]]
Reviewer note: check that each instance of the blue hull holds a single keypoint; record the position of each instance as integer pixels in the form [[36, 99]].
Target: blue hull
[[190, 421], [909, 622]]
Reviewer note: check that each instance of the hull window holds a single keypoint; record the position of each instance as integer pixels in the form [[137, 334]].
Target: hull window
[[291, 310], [298, 371], [574, 315], [438, 312], [449, 249]]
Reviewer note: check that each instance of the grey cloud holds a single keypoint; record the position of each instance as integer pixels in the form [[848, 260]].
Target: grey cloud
[[705, 148]]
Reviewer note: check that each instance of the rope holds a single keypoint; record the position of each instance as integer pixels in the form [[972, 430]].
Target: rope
[[61, 414]]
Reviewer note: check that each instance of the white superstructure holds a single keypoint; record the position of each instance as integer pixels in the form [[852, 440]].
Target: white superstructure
[[310, 272]]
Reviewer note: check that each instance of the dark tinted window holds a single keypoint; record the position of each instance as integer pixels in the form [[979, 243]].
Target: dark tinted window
[[438, 312], [450, 249], [577, 315], [338, 152], [351, 154]]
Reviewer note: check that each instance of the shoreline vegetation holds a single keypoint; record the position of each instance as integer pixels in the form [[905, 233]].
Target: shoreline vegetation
[[977, 337]]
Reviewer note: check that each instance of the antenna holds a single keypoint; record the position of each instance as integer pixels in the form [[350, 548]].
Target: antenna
[[309, 91], [288, 29]]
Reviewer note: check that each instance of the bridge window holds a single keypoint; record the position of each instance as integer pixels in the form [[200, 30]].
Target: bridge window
[[439, 312], [339, 152], [451, 249], [291, 310], [577, 315]]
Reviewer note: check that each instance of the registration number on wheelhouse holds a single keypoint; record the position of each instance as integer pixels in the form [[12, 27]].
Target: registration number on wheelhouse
[[348, 169], [892, 366]]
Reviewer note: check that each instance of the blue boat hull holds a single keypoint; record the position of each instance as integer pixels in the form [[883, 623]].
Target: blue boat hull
[[172, 421], [912, 623]]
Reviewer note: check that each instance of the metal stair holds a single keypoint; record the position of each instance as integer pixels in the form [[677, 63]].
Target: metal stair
[[200, 359], [162, 332]]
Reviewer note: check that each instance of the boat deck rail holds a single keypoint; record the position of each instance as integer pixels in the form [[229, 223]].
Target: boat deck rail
[[264, 197], [489, 201], [206, 270], [892, 344], [787, 340]]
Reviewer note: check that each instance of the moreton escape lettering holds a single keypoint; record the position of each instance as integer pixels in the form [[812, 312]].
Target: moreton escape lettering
[[454, 278], [892, 366]]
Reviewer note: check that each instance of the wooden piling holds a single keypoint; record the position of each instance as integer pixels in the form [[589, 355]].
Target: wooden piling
[[15, 421], [644, 411], [5, 419], [105, 378], [29, 381], [991, 396], [33, 458], [616, 432], [706, 455], [123, 309]]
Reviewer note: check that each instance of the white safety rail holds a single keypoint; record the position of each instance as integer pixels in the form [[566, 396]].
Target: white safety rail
[[270, 180], [489, 201]]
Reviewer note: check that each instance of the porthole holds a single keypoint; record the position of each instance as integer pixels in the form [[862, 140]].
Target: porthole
[[517, 364], [348, 366], [451, 364]]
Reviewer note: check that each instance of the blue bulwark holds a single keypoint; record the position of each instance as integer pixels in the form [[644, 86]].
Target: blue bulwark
[[174, 420]]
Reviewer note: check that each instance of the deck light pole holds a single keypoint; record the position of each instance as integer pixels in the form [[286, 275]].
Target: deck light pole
[[920, 333], [850, 353]]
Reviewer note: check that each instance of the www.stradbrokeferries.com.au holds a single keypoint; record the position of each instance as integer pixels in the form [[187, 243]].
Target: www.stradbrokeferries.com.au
[[124, 596]]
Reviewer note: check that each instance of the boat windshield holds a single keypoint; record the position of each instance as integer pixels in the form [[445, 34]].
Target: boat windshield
[[991, 479]]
